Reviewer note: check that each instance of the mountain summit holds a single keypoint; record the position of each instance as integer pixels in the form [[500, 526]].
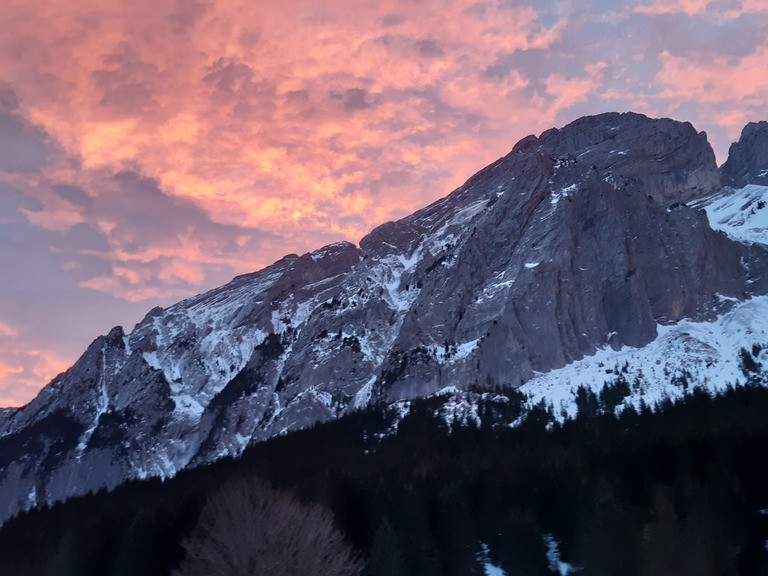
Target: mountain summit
[[586, 237]]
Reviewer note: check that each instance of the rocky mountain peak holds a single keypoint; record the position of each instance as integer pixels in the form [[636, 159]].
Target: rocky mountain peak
[[636, 152], [748, 158]]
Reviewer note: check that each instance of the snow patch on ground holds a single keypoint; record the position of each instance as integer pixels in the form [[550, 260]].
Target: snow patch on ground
[[459, 409], [553, 557], [489, 568]]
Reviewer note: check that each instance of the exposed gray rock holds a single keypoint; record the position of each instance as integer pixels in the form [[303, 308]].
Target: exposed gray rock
[[748, 158], [578, 239]]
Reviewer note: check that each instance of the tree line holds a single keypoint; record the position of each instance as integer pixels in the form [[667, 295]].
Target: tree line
[[679, 490]]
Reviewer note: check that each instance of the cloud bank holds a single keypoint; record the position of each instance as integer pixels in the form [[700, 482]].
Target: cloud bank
[[152, 150]]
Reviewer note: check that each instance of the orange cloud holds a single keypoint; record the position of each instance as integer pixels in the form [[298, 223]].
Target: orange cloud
[[198, 140], [21, 379], [200, 109], [6, 370]]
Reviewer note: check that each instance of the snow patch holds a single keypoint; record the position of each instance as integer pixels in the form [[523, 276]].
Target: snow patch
[[498, 284], [458, 409], [741, 214], [553, 557], [489, 568], [465, 214], [388, 275], [186, 404], [562, 193], [363, 396], [465, 349]]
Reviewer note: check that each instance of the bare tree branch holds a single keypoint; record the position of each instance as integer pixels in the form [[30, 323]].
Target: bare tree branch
[[247, 528]]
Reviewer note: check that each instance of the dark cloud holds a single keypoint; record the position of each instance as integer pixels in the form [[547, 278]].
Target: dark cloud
[[391, 20], [235, 85], [145, 216], [187, 13], [297, 97], [535, 63], [631, 65], [53, 316], [127, 84], [229, 76], [24, 148], [356, 99], [72, 194], [429, 49], [478, 10], [8, 100], [311, 120]]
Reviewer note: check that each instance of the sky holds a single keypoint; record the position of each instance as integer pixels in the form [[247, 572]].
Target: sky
[[152, 150]]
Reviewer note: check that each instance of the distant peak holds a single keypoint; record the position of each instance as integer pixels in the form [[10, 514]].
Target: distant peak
[[748, 158]]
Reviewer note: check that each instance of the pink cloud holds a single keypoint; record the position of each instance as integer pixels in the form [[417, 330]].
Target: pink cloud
[[21, 376], [173, 144], [730, 91]]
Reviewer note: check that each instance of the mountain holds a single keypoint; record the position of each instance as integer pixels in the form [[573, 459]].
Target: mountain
[[585, 243]]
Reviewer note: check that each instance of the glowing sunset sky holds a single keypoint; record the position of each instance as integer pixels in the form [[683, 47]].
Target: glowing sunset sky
[[151, 150]]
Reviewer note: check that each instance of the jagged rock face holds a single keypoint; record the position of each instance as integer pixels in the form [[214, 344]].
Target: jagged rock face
[[578, 239], [748, 158]]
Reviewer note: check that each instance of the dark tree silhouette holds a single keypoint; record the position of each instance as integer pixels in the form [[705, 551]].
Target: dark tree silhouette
[[249, 529]]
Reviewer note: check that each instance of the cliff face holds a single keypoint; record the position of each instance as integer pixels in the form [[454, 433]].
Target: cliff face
[[577, 239]]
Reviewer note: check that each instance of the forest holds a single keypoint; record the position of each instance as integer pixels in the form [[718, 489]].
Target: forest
[[678, 489]]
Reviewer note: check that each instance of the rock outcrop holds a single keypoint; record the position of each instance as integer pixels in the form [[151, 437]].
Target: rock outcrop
[[578, 239], [748, 158]]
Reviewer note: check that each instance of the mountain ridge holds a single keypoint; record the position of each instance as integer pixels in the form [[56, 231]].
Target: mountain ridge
[[578, 239]]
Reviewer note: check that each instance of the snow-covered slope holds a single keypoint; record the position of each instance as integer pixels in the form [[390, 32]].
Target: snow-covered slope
[[741, 214], [685, 355]]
